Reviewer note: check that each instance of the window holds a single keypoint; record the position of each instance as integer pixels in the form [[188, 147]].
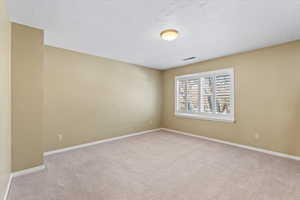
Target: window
[[208, 95]]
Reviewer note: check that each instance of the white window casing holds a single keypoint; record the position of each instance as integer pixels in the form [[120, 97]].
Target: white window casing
[[207, 95]]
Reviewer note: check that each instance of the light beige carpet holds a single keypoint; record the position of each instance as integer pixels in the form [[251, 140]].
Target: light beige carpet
[[161, 166]]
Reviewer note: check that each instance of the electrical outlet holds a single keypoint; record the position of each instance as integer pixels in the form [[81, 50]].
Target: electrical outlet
[[60, 137], [150, 122], [257, 136]]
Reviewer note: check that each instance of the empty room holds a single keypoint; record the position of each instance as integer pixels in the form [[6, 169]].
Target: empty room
[[149, 100]]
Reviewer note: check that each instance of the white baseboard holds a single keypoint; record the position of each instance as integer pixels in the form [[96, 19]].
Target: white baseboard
[[7, 187], [97, 142], [28, 171], [21, 173], [235, 144]]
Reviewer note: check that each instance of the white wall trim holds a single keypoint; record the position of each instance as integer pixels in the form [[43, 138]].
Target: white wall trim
[[98, 142], [8, 187], [235, 144], [28, 171]]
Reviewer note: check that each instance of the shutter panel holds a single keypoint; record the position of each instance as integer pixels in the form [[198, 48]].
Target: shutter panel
[[223, 93], [193, 95], [206, 91], [181, 96]]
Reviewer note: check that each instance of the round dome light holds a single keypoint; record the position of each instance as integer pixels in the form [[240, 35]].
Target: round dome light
[[169, 35]]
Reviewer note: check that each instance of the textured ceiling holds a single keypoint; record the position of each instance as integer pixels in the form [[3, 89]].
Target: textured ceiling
[[129, 30]]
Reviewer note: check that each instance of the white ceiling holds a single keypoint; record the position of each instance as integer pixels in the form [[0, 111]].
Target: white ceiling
[[128, 30]]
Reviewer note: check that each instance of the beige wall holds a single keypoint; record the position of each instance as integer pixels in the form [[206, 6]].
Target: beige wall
[[5, 111], [267, 99], [27, 93], [87, 98]]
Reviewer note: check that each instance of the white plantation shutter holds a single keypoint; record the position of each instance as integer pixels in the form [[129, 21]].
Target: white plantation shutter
[[192, 95], [181, 95], [187, 95], [223, 93], [206, 95]]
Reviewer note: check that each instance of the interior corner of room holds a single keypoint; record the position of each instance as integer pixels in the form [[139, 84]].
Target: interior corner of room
[[55, 99]]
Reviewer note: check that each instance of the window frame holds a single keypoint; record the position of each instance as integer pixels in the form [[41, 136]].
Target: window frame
[[209, 116]]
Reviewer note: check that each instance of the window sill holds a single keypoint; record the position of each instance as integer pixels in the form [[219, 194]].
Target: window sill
[[220, 118]]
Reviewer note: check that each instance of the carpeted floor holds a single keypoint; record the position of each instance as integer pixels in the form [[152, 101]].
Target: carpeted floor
[[161, 166]]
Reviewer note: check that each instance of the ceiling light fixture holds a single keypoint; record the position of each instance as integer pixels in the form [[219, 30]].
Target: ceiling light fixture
[[169, 35]]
